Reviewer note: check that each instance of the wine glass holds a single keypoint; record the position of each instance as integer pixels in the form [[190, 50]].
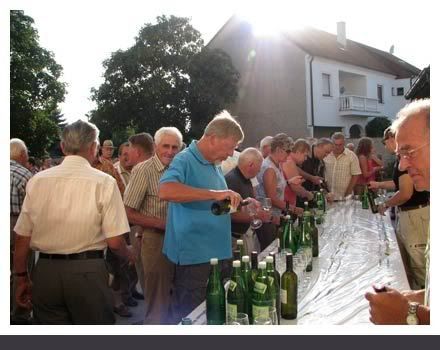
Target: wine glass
[[262, 320], [239, 319], [252, 210], [266, 203], [273, 315]]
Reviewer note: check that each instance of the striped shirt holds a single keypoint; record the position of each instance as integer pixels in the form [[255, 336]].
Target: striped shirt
[[19, 178], [338, 171], [71, 208], [142, 193]]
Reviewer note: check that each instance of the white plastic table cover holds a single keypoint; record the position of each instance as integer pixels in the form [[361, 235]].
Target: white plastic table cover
[[356, 249]]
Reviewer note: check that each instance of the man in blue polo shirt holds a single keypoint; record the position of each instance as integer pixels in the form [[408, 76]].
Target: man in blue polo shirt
[[193, 234]]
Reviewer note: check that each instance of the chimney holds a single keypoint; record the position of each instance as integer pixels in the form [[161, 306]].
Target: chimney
[[341, 34], [392, 49]]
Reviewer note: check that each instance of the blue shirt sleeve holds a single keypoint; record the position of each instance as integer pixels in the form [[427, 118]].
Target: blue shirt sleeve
[[176, 172]]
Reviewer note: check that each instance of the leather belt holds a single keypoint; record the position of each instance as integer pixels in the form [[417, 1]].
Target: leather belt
[[91, 254], [413, 207]]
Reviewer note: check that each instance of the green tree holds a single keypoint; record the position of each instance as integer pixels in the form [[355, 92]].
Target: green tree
[[35, 89], [376, 126], [164, 79]]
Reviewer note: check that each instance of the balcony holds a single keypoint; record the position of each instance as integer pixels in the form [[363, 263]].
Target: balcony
[[358, 105]]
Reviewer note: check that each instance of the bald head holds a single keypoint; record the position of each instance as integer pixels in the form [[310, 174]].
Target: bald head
[[249, 162]]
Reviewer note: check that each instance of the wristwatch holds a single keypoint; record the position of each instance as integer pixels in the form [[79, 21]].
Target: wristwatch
[[412, 318]]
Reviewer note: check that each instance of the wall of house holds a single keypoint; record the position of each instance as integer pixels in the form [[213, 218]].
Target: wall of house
[[326, 109], [272, 86]]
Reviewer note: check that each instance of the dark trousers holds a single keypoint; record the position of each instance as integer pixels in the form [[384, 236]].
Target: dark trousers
[[18, 314], [266, 234], [190, 286], [71, 292], [125, 277]]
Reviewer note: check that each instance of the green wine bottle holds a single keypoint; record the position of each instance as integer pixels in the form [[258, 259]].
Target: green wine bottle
[[289, 291], [365, 199], [236, 295], [254, 265], [224, 207], [240, 247], [306, 235], [261, 297], [274, 281], [315, 237], [248, 284], [215, 296], [289, 236]]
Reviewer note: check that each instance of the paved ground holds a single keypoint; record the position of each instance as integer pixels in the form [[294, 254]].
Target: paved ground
[[138, 314]]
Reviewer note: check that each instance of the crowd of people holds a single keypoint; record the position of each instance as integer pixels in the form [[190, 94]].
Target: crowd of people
[[104, 225]]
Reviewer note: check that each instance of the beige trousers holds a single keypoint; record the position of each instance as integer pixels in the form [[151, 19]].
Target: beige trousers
[[412, 230], [158, 279]]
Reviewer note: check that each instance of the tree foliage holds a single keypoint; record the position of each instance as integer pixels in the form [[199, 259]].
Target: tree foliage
[[35, 89], [164, 79], [377, 126]]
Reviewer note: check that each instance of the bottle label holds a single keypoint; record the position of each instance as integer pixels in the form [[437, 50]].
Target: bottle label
[[260, 288], [270, 278], [232, 285], [260, 311], [232, 311], [283, 296]]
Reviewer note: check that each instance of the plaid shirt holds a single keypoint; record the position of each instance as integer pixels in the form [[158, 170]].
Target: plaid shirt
[[19, 178]]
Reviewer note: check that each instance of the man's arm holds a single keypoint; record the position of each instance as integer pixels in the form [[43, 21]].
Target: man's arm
[[387, 185], [136, 218], [119, 247], [405, 192], [350, 186], [23, 295], [291, 170], [180, 193], [313, 179]]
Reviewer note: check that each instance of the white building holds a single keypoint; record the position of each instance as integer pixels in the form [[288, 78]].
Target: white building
[[311, 83]]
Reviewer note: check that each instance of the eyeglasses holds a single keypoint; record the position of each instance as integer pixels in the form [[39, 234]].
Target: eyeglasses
[[410, 154]]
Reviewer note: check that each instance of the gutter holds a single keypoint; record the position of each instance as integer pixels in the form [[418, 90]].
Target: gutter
[[311, 96]]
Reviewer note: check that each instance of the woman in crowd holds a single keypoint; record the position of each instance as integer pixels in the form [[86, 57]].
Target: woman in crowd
[[368, 163]]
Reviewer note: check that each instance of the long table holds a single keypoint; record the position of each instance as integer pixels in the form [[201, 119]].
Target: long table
[[356, 249]]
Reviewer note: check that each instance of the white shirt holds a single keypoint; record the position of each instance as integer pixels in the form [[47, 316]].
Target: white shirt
[[71, 208], [338, 171]]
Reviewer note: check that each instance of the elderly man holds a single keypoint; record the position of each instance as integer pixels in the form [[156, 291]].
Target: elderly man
[[412, 138], [141, 148], [146, 209], [239, 180], [341, 168], [413, 209], [70, 214], [312, 169], [193, 234], [19, 176], [265, 146], [107, 150], [350, 146], [122, 166]]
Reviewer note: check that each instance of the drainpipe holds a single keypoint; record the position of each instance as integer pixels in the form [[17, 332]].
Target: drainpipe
[[311, 96]]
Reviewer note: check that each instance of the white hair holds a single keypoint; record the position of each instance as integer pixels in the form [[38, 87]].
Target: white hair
[[223, 125], [168, 130], [17, 147], [78, 136], [266, 141], [410, 110], [250, 154]]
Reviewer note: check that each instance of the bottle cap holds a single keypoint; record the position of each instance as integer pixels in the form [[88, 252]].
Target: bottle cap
[[245, 258], [269, 259], [239, 242], [306, 203], [236, 263], [287, 217], [213, 261], [262, 265]]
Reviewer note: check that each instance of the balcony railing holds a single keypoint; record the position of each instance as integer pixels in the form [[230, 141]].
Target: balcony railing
[[357, 103]]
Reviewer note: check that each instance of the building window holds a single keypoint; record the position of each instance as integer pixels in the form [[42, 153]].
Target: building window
[[400, 91], [393, 91], [326, 84], [380, 93]]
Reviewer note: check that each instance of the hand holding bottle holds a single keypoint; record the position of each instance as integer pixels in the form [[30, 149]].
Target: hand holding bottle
[[316, 180], [234, 197], [374, 185]]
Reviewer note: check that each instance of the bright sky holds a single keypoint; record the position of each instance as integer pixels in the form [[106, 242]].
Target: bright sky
[[84, 33]]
